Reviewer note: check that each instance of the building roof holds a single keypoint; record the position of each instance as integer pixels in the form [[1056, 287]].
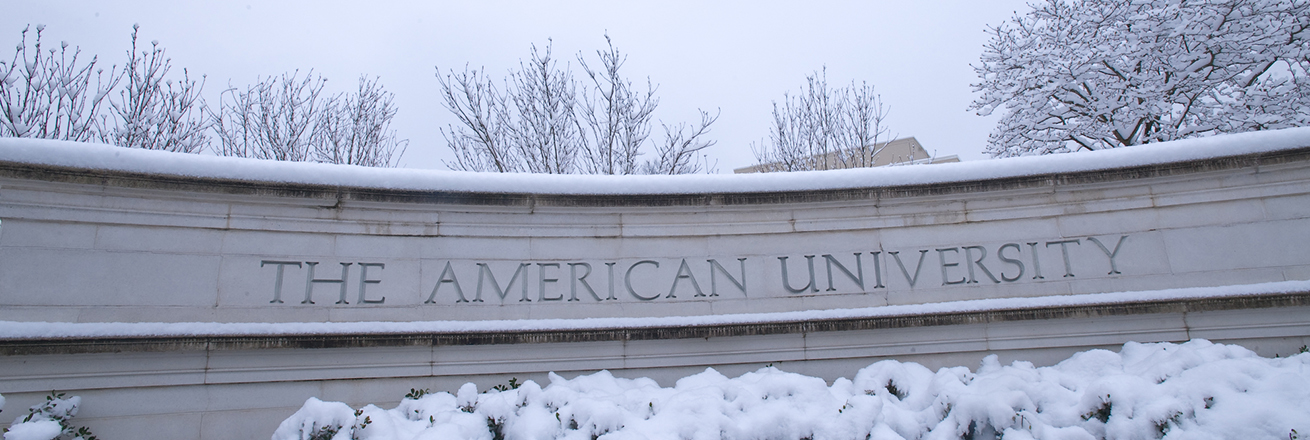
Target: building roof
[[903, 151]]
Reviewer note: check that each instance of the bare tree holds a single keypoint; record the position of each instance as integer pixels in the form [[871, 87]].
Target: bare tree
[[156, 113], [825, 128], [529, 126], [543, 121], [356, 129], [862, 132], [546, 130], [481, 142], [273, 119], [48, 94], [616, 117], [679, 152]]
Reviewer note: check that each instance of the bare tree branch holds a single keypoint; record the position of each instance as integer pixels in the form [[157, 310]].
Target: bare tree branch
[[481, 142], [355, 129], [156, 113], [48, 94], [546, 130], [824, 128], [273, 119], [543, 121], [617, 117], [678, 153]]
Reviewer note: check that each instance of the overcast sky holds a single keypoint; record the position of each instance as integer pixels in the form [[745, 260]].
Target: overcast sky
[[737, 57]]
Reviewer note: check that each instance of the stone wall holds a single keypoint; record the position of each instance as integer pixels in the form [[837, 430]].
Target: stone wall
[[87, 245]]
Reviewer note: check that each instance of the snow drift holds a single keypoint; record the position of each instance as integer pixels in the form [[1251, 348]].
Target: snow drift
[[1197, 390]]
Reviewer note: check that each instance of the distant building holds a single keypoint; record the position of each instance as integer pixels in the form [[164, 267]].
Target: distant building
[[903, 151]]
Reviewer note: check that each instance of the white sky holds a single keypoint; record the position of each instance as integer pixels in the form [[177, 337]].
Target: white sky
[[735, 56]]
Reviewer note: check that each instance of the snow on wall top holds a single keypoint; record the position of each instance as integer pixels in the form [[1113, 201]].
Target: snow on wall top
[[111, 158]]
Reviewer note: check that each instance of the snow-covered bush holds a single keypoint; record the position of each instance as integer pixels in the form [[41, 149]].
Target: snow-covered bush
[[1193, 390], [49, 421]]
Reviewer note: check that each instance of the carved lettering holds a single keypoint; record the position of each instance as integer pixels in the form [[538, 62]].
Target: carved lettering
[[714, 286], [786, 282], [1037, 263], [1064, 250], [917, 267], [1000, 253], [982, 253], [684, 271], [1013, 266], [575, 279], [627, 280], [1108, 253], [484, 272], [448, 276], [941, 256], [364, 282], [541, 294], [310, 281], [877, 270], [611, 279], [859, 268], [277, 279]]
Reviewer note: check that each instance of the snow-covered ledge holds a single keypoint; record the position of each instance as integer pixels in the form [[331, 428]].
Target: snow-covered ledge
[[125, 272]]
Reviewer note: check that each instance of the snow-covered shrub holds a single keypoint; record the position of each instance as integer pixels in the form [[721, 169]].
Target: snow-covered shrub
[[1146, 391], [49, 421]]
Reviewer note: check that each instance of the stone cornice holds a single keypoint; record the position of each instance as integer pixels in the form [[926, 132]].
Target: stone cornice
[[248, 342], [338, 194]]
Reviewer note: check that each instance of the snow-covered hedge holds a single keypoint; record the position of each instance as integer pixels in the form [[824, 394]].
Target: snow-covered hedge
[[48, 420], [1196, 390]]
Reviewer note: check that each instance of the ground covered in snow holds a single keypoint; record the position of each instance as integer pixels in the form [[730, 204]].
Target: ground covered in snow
[[1196, 390]]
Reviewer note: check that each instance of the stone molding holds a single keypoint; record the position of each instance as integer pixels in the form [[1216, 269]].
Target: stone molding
[[41, 346]]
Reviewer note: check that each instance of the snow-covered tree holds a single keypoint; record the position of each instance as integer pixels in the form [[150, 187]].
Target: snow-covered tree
[[616, 117], [48, 93], [680, 153], [824, 128], [272, 119], [544, 127], [544, 121], [289, 118], [355, 129], [155, 112], [481, 143], [528, 126], [1095, 74]]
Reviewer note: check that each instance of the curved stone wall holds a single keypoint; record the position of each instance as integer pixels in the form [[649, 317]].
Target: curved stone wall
[[240, 288], [86, 245]]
